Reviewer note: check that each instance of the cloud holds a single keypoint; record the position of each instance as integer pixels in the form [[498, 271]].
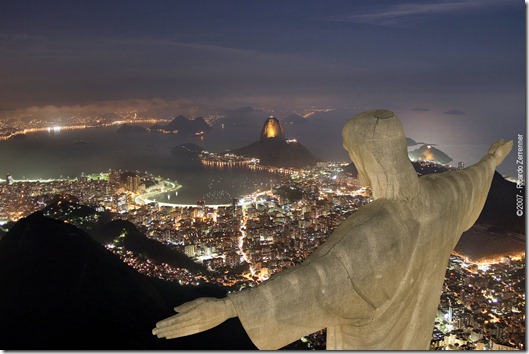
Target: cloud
[[420, 109], [456, 112], [402, 12], [158, 107], [22, 41]]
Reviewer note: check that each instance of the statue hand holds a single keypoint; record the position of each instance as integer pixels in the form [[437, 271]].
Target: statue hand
[[194, 317], [499, 150]]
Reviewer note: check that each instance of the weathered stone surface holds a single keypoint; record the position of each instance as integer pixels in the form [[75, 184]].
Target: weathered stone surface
[[375, 284]]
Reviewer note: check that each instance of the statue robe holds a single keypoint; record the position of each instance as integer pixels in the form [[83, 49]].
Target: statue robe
[[376, 283]]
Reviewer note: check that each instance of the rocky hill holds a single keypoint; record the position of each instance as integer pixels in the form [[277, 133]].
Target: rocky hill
[[63, 290], [183, 125], [125, 234], [278, 152]]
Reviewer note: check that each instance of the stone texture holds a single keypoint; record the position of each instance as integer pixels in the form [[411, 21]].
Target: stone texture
[[375, 284]]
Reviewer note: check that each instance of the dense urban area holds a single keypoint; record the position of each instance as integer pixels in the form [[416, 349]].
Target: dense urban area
[[244, 242]]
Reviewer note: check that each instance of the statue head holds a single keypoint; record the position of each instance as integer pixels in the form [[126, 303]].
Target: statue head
[[377, 146]]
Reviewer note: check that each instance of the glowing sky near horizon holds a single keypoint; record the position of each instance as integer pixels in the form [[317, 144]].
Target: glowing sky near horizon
[[453, 70]]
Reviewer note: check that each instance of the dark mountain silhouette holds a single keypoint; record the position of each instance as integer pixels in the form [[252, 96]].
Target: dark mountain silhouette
[[485, 241], [120, 232], [500, 207], [278, 152], [128, 128], [66, 207], [127, 235], [184, 125], [63, 290]]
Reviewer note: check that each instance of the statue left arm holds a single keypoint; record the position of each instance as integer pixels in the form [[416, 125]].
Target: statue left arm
[[475, 181]]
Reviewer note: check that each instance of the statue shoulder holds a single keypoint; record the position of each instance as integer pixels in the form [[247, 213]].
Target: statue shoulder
[[375, 243], [377, 216]]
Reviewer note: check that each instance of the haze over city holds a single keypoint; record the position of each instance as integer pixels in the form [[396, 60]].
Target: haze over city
[[168, 150], [453, 71]]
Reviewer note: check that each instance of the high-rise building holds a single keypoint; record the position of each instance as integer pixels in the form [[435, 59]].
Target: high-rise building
[[190, 250], [133, 182], [9, 179], [113, 176], [234, 203]]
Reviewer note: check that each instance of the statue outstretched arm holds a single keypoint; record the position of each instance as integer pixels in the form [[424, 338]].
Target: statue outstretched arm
[[498, 151], [474, 182], [292, 304], [195, 316], [299, 301], [329, 289]]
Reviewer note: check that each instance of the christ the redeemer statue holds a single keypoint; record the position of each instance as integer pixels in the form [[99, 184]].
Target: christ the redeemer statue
[[376, 283]]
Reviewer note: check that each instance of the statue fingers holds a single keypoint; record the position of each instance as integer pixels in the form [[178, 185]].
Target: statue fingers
[[168, 321], [504, 147], [180, 329], [182, 320], [186, 325], [495, 146]]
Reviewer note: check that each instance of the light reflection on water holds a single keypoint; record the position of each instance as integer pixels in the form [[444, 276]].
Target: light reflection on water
[[70, 153]]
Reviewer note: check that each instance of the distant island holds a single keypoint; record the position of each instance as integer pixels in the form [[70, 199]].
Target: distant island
[[181, 124]]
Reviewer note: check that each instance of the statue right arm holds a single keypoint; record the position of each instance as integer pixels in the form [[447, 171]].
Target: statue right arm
[[294, 303], [300, 301], [195, 316]]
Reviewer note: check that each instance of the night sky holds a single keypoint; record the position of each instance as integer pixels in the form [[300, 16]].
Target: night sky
[[421, 59]]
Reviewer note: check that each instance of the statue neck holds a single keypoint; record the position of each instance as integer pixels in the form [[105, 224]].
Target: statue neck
[[402, 185]]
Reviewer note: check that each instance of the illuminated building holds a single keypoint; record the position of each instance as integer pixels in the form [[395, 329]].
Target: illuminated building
[[9, 179], [460, 165], [272, 129], [133, 183], [190, 250]]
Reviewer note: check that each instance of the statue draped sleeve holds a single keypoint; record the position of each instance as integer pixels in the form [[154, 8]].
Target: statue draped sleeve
[[370, 263], [464, 191], [298, 302], [334, 286]]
